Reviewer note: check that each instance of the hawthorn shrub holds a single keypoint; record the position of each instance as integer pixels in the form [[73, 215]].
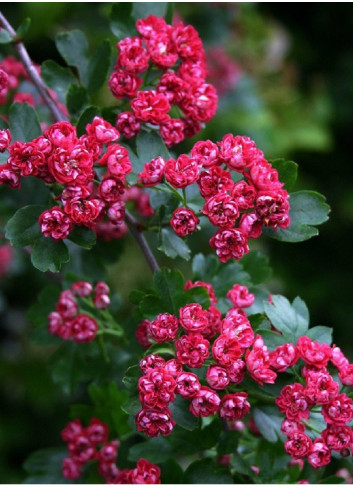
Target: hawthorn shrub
[[212, 379]]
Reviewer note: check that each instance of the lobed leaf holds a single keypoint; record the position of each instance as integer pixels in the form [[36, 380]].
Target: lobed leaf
[[23, 122]]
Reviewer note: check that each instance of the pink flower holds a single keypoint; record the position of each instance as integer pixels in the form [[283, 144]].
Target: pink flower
[[258, 363], [298, 445], [150, 362], [337, 437], [184, 221], [133, 57], [229, 243], [313, 353], [217, 377], [124, 84], [98, 431], [117, 160], [71, 469], [251, 225], [62, 135], [156, 388], [244, 195], [214, 181], [198, 283], [346, 374], [205, 403], [81, 289], [5, 139], [188, 385], [54, 223], [145, 473], [240, 296], [172, 131], [181, 172], [226, 350], [127, 124], [293, 402], [102, 131], [234, 406], [272, 207], [142, 333], [155, 422], [164, 328], [84, 328], [320, 454], [338, 411], [263, 176], [236, 371], [205, 153], [150, 106], [283, 357], [192, 350], [320, 388], [238, 152], [221, 210]]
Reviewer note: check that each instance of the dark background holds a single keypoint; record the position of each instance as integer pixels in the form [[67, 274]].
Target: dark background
[[296, 103]]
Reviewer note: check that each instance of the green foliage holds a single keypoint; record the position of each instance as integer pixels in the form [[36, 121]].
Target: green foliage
[[23, 228], [182, 415], [44, 467], [169, 295], [38, 316], [23, 122], [5, 37], [172, 245], [57, 78], [49, 255], [206, 471], [322, 334], [287, 172], [268, 420], [159, 450], [82, 236], [122, 23], [98, 67], [307, 210], [292, 320], [256, 264], [85, 118], [73, 47], [76, 100], [22, 30]]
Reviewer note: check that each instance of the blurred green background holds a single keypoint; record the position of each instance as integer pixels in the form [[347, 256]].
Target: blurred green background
[[293, 94]]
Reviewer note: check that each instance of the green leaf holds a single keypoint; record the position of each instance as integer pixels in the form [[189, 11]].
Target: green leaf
[[257, 266], [5, 37], [182, 415], [172, 245], [199, 295], [23, 228], [85, 118], [228, 442], [268, 420], [57, 78], [144, 9], [287, 171], [156, 450], [150, 145], [98, 67], [23, 122], [291, 320], [169, 284], [271, 338], [76, 100], [49, 255], [322, 334], [131, 378], [169, 13], [171, 472], [307, 210], [23, 28], [207, 471], [44, 466], [122, 23], [73, 47], [38, 316], [82, 236]]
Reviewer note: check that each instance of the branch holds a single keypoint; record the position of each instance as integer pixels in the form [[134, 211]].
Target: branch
[[133, 226], [32, 72], [58, 116]]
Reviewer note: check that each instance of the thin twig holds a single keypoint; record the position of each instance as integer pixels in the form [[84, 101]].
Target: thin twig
[[58, 116], [133, 225], [32, 72]]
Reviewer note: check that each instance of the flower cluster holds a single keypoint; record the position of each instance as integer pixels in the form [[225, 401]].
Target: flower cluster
[[91, 444], [198, 333], [12, 74], [74, 164], [68, 322], [319, 392], [172, 60], [239, 210]]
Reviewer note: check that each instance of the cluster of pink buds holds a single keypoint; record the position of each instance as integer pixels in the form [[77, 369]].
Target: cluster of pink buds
[[319, 392], [196, 334], [174, 63], [68, 322], [60, 157], [12, 73], [239, 210], [89, 444]]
